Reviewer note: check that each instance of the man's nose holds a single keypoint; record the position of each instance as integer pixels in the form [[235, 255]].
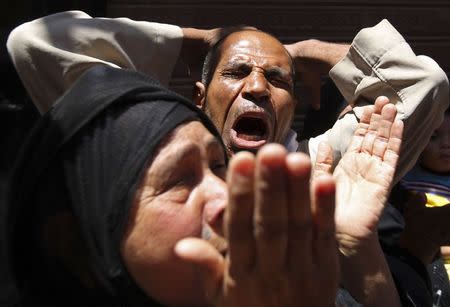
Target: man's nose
[[216, 198], [256, 87]]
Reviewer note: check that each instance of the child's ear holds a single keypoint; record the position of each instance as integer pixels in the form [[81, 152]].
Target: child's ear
[[199, 94]]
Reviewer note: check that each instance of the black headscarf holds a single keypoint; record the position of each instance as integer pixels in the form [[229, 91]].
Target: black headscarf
[[85, 159]]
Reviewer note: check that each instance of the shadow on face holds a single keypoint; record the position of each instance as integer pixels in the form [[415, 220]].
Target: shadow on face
[[436, 155], [182, 194]]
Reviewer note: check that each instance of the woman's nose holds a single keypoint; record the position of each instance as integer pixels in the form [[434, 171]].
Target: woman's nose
[[216, 199]]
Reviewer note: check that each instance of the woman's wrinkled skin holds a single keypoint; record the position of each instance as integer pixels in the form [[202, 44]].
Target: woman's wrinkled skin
[[183, 194]]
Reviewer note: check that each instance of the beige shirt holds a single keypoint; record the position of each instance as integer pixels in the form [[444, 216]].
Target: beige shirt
[[380, 62], [51, 52]]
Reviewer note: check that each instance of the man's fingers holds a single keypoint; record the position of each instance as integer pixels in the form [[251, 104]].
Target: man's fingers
[[299, 213], [238, 217], [371, 134], [394, 144], [380, 102], [270, 216], [208, 262], [361, 130], [366, 115], [384, 130], [324, 160], [375, 126]]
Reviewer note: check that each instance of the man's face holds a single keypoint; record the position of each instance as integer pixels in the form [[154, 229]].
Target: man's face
[[250, 98]]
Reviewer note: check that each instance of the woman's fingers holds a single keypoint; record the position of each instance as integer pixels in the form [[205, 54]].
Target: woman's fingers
[[300, 231], [208, 262], [324, 200], [238, 218], [324, 247], [279, 244], [270, 215]]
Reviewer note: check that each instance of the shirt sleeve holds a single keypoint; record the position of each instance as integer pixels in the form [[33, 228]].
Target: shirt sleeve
[[380, 62], [50, 53]]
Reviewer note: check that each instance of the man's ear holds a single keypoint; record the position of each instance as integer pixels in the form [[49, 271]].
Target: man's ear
[[199, 94]]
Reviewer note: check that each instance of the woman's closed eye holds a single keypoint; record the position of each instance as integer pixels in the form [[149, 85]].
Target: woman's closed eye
[[219, 168], [180, 168]]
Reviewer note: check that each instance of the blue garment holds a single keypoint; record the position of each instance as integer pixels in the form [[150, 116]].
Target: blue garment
[[422, 180]]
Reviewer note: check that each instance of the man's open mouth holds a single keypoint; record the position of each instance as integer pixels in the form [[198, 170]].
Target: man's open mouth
[[250, 131]]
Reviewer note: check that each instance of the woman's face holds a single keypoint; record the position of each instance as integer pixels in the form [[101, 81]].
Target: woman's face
[[183, 194]]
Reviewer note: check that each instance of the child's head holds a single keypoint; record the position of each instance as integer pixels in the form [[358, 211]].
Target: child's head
[[436, 156]]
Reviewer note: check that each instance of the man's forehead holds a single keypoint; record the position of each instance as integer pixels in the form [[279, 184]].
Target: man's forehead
[[251, 46]]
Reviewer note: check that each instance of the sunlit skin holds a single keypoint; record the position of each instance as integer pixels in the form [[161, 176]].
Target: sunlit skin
[[174, 246], [436, 156], [182, 194], [253, 78]]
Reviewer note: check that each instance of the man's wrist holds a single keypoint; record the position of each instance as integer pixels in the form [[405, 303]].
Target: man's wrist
[[329, 54], [196, 43]]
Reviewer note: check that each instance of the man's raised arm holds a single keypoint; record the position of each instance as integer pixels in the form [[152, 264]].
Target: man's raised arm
[[380, 62], [50, 53]]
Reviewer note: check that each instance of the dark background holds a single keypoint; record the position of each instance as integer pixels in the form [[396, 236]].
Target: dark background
[[424, 23]]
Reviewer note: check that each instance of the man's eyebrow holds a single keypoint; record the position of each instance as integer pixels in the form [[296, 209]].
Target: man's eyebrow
[[278, 71], [273, 70], [236, 64]]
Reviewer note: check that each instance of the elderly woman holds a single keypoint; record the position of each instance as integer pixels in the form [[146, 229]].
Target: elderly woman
[[119, 199], [116, 174]]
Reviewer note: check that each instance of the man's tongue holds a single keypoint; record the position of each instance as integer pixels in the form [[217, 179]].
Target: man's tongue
[[250, 132], [249, 136]]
